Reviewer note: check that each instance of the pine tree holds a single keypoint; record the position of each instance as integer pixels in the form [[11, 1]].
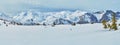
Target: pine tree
[[73, 24], [109, 26], [114, 25], [53, 25], [104, 23], [44, 24]]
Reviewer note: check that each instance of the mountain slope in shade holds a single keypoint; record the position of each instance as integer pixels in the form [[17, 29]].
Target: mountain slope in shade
[[107, 15]]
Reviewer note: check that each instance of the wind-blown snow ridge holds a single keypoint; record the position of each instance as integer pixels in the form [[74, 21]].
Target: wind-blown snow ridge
[[63, 17]]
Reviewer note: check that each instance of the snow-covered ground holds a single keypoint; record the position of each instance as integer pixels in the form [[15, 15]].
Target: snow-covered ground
[[82, 34]]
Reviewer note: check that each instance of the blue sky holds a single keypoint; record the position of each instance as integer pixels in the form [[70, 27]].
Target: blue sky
[[87, 5]]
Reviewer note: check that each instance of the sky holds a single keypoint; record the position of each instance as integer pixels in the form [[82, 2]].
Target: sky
[[87, 5]]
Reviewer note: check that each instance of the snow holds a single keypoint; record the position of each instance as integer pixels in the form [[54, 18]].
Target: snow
[[81, 34], [99, 16], [75, 17], [63, 17]]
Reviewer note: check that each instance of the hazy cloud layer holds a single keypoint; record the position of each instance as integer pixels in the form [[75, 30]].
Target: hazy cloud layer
[[17, 5]]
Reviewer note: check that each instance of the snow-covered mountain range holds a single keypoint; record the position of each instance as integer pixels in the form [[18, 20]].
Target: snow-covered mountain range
[[62, 17]]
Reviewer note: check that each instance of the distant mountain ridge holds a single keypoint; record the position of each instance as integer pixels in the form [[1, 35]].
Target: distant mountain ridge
[[62, 17]]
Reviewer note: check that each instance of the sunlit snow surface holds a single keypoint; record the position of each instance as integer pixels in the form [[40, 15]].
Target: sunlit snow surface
[[82, 34]]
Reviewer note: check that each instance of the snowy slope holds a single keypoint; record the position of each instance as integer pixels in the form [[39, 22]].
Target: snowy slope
[[99, 14], [82, 17], [30, 17], [58, 18], [58, 35], [5, 17]]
